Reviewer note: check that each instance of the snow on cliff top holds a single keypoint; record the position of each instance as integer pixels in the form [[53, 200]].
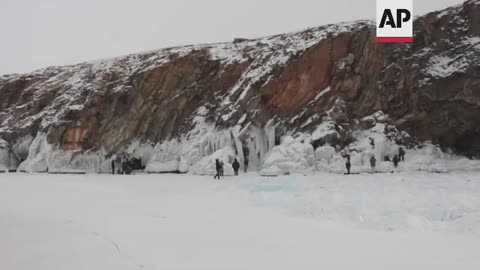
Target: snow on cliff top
[[72, 85], [227, 51]]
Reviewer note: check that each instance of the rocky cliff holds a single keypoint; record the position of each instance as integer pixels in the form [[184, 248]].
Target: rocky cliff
[[249, 94]]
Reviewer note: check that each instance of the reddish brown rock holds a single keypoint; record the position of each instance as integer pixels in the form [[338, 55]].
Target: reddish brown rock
[[430, 88]]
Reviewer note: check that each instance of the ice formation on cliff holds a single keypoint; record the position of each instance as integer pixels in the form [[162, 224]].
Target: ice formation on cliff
[[295, 153]]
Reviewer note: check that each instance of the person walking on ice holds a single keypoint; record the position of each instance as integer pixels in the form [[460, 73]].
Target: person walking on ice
[[236, 167], [221, 168], [401, 154], [217, 168], [373, 163], [348, 164], [396, 160], [113, 165]]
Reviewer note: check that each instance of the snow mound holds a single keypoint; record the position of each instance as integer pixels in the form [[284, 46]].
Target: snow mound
[[292, 156], [161, 167], [165, 157], [206, 166], [37, 160], [328, 160]]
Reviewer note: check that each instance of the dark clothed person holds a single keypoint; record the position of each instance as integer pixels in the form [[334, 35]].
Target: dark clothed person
[[373, 162], [236, 166], [217, 168], [113, 166], [221, 168], [401, 154], [348, 165], [396, 160]]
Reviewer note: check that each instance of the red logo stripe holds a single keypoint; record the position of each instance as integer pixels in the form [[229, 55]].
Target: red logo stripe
[[395, 39]]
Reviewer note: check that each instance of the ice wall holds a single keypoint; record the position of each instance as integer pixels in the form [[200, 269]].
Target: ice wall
[[43, 157], [37, 158], [197, 151], [226, 144]]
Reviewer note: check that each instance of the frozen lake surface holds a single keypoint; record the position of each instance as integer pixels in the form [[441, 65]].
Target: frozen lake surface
[[324, 221]]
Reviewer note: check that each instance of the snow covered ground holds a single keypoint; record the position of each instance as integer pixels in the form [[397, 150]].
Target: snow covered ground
[[323, 221]]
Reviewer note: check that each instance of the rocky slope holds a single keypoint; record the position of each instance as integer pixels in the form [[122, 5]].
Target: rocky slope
[[177, 107]]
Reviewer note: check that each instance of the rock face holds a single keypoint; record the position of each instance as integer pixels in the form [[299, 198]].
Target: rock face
[[290, 83]]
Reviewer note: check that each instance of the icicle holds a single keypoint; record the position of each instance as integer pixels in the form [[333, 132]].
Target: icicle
[[270, 131], [4, 156], [238, 144]]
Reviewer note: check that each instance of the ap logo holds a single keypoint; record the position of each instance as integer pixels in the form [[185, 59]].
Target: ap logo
[[394, 21]]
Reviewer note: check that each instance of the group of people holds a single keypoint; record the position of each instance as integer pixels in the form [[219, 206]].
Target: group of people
[[396, 158], [126, 165], [373, 161], [219, 168]]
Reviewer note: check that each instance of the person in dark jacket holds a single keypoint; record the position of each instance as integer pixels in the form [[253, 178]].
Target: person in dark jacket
[[113, 166], [236, 166], [221, 168], [217, 168], [129, 167], [373, 162], [396, 160], [401, 154], [348, 165]]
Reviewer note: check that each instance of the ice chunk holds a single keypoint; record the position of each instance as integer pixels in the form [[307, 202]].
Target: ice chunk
[[5, 156], [289, 157], [165, 157], [37, 155], [60, 161], [190, 156], [21, 147], [166, 166], [324, 154], [206, 166]]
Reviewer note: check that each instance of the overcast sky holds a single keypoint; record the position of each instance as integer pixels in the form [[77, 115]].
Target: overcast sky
[[40, 33]]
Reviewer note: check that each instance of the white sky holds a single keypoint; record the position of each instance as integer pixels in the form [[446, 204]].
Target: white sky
[[40, 33]]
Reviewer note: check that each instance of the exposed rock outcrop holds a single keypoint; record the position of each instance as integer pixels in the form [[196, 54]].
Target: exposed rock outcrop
[[294, 82]]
